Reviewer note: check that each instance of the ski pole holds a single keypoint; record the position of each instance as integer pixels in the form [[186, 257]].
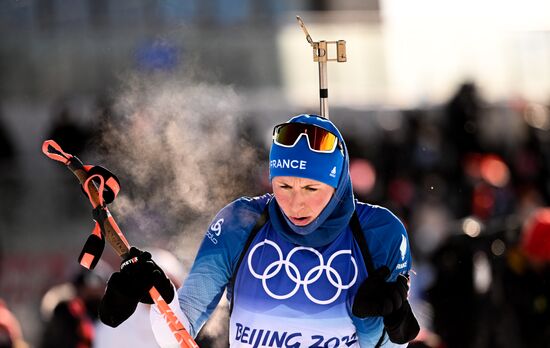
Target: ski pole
[[320, 55], [95, 183]]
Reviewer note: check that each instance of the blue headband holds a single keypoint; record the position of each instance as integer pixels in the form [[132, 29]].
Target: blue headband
[[300, 161]]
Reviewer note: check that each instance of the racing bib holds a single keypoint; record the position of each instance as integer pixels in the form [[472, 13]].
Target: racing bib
[[288, 295]]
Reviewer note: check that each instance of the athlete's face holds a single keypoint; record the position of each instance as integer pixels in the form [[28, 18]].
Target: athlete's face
[[302, 200]]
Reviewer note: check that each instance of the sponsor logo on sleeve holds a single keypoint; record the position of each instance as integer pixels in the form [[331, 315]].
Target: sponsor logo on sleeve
[[403, 251], [215, 230], [403, 247]]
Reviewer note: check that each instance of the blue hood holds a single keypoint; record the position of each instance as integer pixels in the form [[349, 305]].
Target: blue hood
[[336, 215]]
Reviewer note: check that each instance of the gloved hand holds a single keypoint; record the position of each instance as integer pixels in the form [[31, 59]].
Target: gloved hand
[[402, 325], [138, 273], [376, 297]]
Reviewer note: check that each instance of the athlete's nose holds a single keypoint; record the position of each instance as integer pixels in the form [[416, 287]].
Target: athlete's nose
[[297, 203]]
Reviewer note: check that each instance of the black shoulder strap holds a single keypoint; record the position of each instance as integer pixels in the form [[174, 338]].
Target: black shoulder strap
[[355, 225], [257, 227]]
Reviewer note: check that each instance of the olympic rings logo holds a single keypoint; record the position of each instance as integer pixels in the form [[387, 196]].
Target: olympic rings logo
[[294, 274]]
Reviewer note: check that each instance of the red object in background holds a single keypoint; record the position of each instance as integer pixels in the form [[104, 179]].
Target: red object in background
[[494, 171], [489, 173], [363, 176], [483, 201], [401, 191], [9, 325], [535, 238], [471, 164], [489, 167]]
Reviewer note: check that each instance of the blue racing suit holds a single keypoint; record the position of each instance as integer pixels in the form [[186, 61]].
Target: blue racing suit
[[295, 285], [289, 295]]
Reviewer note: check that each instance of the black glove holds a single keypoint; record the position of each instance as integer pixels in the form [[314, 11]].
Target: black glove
[[402, 325], [376, 297], [138, 273]]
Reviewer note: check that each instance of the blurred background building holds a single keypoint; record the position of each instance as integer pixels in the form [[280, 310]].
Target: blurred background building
[[445, 106]]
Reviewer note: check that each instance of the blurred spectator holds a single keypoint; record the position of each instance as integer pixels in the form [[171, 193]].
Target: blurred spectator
[[10, 330], [67, 132], [461, 130], [7, 148], [455, 303], [71, 324], [463, 112], [103, 122], [490, 178], [522, 294], [10, 183], [532, 161]]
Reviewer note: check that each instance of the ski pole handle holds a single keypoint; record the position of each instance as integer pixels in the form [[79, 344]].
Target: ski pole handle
[[114, 236]]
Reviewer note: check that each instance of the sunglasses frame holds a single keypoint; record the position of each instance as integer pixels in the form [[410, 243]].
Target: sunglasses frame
[[336, 143]]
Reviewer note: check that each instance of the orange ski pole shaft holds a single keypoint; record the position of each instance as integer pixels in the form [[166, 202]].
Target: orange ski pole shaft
[[114, 236]]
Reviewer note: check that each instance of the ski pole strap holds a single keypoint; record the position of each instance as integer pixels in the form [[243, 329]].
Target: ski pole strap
[[100, 187], [107, 184], [51, 149], [93, 248], [112, 184]]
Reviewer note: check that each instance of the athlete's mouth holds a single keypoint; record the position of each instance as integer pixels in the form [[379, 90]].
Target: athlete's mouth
[[299, 221]]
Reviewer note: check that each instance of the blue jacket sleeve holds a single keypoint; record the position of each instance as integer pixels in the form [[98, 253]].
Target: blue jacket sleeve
[[216, 259], [387, 239], [388, 244]]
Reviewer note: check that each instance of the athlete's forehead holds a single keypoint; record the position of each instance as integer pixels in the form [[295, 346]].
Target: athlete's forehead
[[297, 181]]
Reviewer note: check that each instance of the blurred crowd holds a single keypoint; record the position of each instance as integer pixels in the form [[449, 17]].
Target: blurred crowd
[[470, 181]]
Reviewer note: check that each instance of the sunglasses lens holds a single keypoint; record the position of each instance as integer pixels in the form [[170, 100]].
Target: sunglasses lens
[[286, 134], [322, 140], [319, 139]]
